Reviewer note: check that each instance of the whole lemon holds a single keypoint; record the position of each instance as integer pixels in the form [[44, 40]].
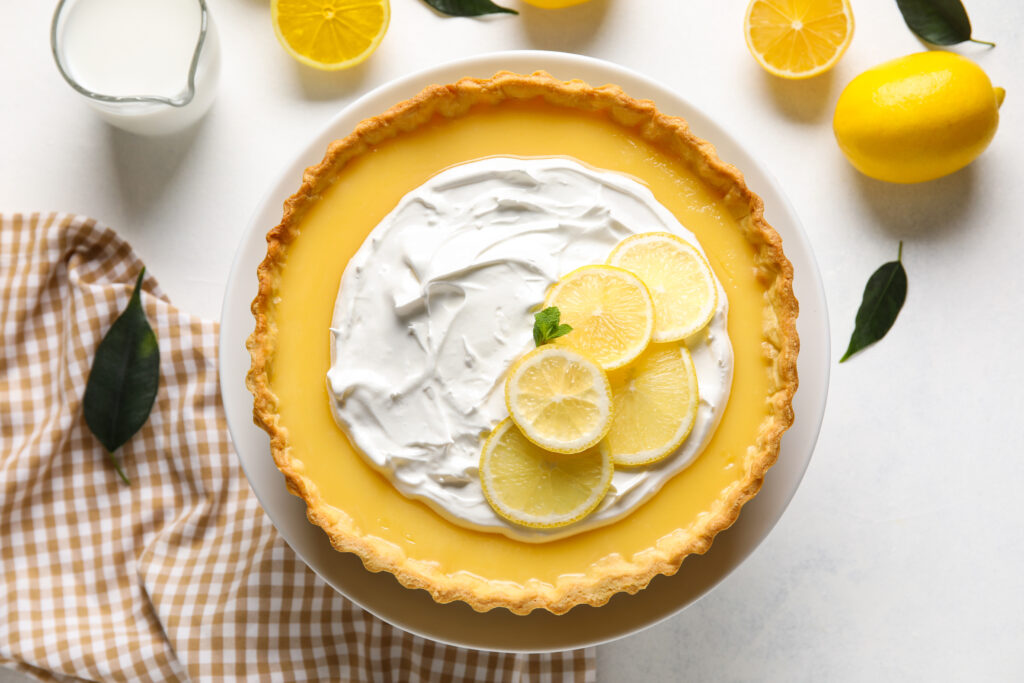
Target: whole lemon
[[918, 117]]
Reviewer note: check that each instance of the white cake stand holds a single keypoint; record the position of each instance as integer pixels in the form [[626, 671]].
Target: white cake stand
[[457, 624]]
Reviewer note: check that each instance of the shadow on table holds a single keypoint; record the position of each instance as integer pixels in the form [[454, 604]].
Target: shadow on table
[[808, 101], [930, 210], [570, 29], [330, 85], [146, 164]]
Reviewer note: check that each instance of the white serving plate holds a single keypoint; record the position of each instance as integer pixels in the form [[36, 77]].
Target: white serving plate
[[457, 624]]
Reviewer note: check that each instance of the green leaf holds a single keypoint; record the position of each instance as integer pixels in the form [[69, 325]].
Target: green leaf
[[883, 298], [546, 327], [940, 22], [468, 8], [124, 378]]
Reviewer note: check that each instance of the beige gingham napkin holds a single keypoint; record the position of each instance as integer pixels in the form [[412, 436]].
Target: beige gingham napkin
[[180, 576]]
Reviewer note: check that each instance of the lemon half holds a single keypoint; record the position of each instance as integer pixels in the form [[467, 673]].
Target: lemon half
[[798, 38], [330, 34]]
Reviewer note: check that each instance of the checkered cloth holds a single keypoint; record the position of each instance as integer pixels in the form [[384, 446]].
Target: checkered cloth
[[179, 576]]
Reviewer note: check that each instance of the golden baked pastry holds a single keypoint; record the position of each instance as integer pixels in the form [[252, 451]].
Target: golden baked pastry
[[359, 181]]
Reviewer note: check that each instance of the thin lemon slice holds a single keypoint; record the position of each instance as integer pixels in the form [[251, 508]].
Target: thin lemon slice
[[610, 311], [656, 402], [677, 276], [561, 400], [798, 38], [533, 487], [330, 34]]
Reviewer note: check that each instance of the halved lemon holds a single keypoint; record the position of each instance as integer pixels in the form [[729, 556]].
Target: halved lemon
[[677, 276], [655, 402], [798, 38], [560, 399], [330, 34], [533, 487], [610, 311]]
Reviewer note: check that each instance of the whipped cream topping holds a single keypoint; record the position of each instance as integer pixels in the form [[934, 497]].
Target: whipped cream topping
[[438, 303]]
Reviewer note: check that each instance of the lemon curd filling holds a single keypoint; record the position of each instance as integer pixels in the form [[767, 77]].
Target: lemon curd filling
[[363, 193]]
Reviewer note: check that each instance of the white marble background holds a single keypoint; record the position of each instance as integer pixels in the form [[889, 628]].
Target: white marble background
[[902, 555]]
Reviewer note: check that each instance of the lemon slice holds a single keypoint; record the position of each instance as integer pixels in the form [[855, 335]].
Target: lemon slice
[[561, 400], [678, 278], [533, 487], [655, 402], [798, 38], [330, 34], [610, 311]]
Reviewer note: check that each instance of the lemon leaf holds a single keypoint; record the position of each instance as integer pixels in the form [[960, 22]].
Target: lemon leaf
[[468, 8], [939, 22], [124, 378], [883, 298]]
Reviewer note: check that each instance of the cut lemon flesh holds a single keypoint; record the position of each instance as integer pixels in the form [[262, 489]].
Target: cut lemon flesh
[[330, 34], [561, 400], [798, 38], [533, 487], [655, 405], [610, 311], [678, 278]]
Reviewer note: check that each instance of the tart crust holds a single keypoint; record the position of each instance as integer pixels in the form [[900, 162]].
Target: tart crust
[[780, 343]]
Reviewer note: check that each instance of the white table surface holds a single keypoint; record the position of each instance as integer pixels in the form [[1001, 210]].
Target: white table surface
[[902, 554]]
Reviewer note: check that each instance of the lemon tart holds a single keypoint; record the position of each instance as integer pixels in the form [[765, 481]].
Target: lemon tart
[[362, 178]]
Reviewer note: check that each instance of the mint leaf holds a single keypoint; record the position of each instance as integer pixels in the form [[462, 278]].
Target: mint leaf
[[546, 326], [124, 378], [883, 298]]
